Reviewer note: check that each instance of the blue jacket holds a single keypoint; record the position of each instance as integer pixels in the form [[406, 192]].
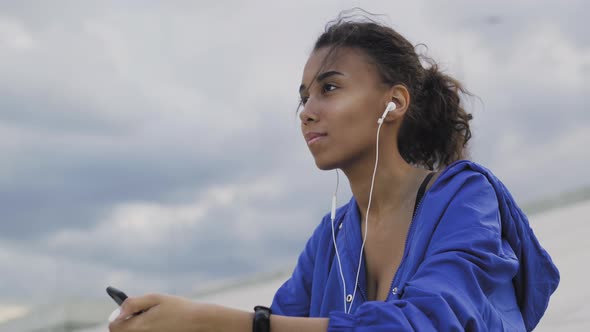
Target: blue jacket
[[471, 262]]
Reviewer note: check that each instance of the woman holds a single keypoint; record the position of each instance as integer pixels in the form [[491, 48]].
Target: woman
[[428, 242]]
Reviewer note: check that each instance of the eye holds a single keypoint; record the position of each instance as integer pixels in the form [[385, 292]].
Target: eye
[[303, 100], [328, 87]]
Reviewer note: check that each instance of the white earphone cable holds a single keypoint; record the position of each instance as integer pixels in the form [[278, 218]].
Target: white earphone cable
[[389, 108], [366, 220], [333, 216]]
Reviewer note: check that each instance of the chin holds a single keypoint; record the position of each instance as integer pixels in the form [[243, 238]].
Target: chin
[[325, 165]]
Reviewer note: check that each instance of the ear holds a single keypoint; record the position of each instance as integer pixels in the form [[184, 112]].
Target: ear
[[400, 95]]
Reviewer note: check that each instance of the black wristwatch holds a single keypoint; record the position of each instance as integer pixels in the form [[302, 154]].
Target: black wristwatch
[[261, 319]]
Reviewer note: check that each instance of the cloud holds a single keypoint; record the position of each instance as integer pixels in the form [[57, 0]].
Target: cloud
[[215, 226], [14, 36], [34, 277]]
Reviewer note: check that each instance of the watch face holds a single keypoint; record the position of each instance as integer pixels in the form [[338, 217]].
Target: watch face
[[261, 307]]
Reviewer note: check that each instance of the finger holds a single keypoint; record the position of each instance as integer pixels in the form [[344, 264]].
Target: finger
[[138, 304]]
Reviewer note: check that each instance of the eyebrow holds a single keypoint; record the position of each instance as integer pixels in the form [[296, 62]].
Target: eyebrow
[[321, 77]]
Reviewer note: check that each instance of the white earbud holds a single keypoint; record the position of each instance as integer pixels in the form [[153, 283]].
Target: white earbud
[[390, 107]]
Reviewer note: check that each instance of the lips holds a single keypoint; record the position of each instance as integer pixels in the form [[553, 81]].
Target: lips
[[312, 137]]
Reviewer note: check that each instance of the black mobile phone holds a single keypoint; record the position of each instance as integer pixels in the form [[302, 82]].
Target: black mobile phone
[[116, 294], [119, 297]]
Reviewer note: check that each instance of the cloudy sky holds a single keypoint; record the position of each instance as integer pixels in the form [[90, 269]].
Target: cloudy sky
[[155, 146]]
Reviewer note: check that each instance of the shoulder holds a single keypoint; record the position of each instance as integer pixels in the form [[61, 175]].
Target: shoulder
[[463, 175], [465, 192]]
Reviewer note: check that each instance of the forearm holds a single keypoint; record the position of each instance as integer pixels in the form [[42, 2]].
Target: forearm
[[291, 324], [228, 319]]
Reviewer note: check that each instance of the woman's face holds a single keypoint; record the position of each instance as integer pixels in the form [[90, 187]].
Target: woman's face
[[341, 106]]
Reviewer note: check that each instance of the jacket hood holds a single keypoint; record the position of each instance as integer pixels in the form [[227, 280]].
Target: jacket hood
[[537, 277]]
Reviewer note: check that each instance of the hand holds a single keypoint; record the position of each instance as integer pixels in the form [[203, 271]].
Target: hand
[[163, 313]]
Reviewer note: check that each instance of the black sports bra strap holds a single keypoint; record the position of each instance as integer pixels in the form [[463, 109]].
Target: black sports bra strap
[[422, 190]]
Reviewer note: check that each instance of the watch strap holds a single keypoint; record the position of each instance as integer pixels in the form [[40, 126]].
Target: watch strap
[[261, 319]]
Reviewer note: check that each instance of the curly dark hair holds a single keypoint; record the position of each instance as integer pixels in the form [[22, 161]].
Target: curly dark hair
[[435, 130]]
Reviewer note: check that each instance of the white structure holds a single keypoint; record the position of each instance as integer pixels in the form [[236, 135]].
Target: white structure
[[562, 229]]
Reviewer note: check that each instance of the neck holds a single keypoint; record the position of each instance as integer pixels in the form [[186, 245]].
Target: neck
[[394, 189]]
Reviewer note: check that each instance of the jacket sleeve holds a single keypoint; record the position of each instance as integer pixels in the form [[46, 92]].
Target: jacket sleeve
[[463, 264], [293, 298]]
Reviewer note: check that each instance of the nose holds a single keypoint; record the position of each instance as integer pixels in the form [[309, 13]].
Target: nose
[[308, 115]]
